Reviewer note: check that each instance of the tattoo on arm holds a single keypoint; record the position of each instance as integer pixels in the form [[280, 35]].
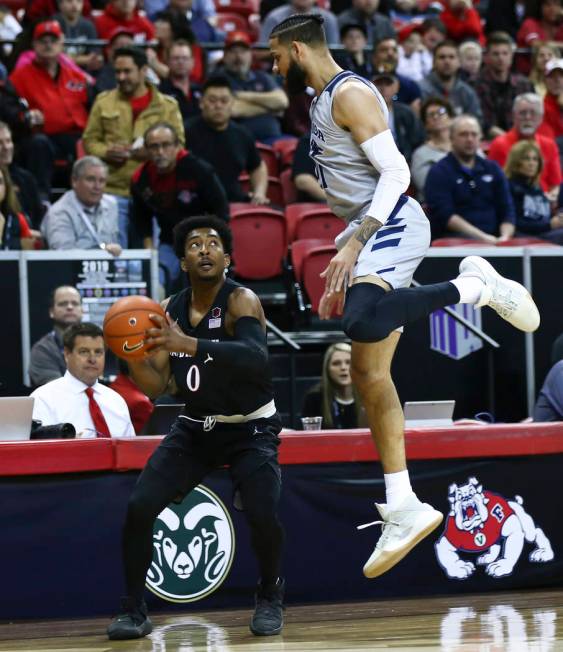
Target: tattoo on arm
[[366, 229]]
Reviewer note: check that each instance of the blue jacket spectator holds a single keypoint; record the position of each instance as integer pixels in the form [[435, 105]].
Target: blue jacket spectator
[[467, 195]]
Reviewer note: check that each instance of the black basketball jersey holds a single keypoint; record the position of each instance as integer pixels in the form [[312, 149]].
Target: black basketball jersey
[[208, 387]]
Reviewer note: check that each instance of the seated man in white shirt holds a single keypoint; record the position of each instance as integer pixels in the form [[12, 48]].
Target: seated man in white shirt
[[84, 217], [78, 398]]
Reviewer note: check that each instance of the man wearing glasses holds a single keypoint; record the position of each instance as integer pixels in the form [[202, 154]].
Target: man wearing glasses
[[171, 185], [78, 397]]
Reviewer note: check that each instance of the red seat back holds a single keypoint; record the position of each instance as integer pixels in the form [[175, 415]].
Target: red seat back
[[275, 191], [242, 7], [525, 242], [285, 147], [293, 213], [319, 222], [259, 242], [315, 261], [231, 22], [288, 187], [270, 157], [458, 242]]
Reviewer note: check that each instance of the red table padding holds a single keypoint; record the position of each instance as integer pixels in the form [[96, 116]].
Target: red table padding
[[356, 445], [476, 441], [55, 456]]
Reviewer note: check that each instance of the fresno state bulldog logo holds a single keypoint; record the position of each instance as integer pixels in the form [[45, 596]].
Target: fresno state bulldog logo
[[484, 523], [193, 548]]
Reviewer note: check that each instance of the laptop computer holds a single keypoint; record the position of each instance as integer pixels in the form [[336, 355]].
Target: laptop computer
[[162, 417], [15, 417], [428, 413]]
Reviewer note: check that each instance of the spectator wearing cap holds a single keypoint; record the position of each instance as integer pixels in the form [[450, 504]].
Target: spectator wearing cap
[[276, 16], [436, 114], [58, 96], [178, 83], [77, 28], [385, 59], [527, 114], [404, 125], [171, 185], [228, 146], [415, 61], [497, 86], [365, 12], [467, 195], [462, 21], [124, 13], [443, 81], [354, 40], [257, 96], [121, 37], [84, 217], [552, 124], [118, 121]]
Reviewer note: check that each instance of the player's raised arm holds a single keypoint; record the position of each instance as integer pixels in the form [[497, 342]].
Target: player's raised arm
[[357, 109]]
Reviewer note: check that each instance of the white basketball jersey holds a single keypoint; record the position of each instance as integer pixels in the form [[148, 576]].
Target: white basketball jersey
[[342, 169]]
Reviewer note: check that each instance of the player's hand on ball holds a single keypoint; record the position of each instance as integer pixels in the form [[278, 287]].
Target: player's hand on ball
[[165, 336], [329, 301]]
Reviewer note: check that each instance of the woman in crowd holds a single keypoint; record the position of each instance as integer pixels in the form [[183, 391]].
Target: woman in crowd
[[436, 114], [335, 397], [14, 229], [533, 208], [544, 22], [541, 54]]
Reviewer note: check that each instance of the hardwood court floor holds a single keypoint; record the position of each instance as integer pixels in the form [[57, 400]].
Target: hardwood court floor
[[514, 622]]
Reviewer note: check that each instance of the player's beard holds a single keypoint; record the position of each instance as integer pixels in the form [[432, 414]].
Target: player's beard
[[295, 79]]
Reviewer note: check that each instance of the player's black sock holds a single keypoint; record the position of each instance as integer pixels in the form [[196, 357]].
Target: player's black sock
[[370, 313]]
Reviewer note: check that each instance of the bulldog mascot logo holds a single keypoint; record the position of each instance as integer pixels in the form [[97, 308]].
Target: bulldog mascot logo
[[193, 548], [494, 528]]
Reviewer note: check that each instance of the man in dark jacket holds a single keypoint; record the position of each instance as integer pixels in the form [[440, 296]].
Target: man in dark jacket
[[171, 185]]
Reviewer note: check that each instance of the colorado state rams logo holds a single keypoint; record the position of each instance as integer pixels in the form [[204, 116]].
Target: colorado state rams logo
[[486, 524], [193, 548]]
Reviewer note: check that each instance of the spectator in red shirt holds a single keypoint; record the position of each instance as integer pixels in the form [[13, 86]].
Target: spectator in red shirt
[[544, 22], [58, 95], [462, 21], [552, 124], [124, 13], [528, 114], [139, 404]]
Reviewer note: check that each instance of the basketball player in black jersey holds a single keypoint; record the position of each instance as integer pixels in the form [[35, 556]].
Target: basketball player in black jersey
[[213, 343]]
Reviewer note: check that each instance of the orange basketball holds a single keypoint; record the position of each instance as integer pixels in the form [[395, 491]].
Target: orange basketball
[[125, 324]]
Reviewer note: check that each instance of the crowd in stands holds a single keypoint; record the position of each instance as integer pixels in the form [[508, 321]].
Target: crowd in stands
[[119, 117]]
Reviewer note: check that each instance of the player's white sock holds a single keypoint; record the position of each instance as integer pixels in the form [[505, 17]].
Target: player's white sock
[[469, 288], [397, 488]]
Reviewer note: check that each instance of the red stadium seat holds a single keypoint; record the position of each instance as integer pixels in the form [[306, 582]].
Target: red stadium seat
[[271, 159], [458, 242], [318, 222], [293, 214], [242, 7], [285, 147], [275, 191], [525, 242], [259, 241], [311, 257], [289, 190], [230, 22]]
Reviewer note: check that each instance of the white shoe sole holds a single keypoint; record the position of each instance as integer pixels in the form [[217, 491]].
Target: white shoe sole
[[526, 317], [386, 560]]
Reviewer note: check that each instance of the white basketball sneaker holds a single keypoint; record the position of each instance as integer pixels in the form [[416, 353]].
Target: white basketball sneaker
[[509, 299], [402, 530]]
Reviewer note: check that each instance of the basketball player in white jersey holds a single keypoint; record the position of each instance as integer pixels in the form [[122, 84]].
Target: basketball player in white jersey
[[364, 176]]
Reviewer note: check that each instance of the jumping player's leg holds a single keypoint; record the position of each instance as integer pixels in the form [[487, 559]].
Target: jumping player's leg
[[260, 495], [406, 520]]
